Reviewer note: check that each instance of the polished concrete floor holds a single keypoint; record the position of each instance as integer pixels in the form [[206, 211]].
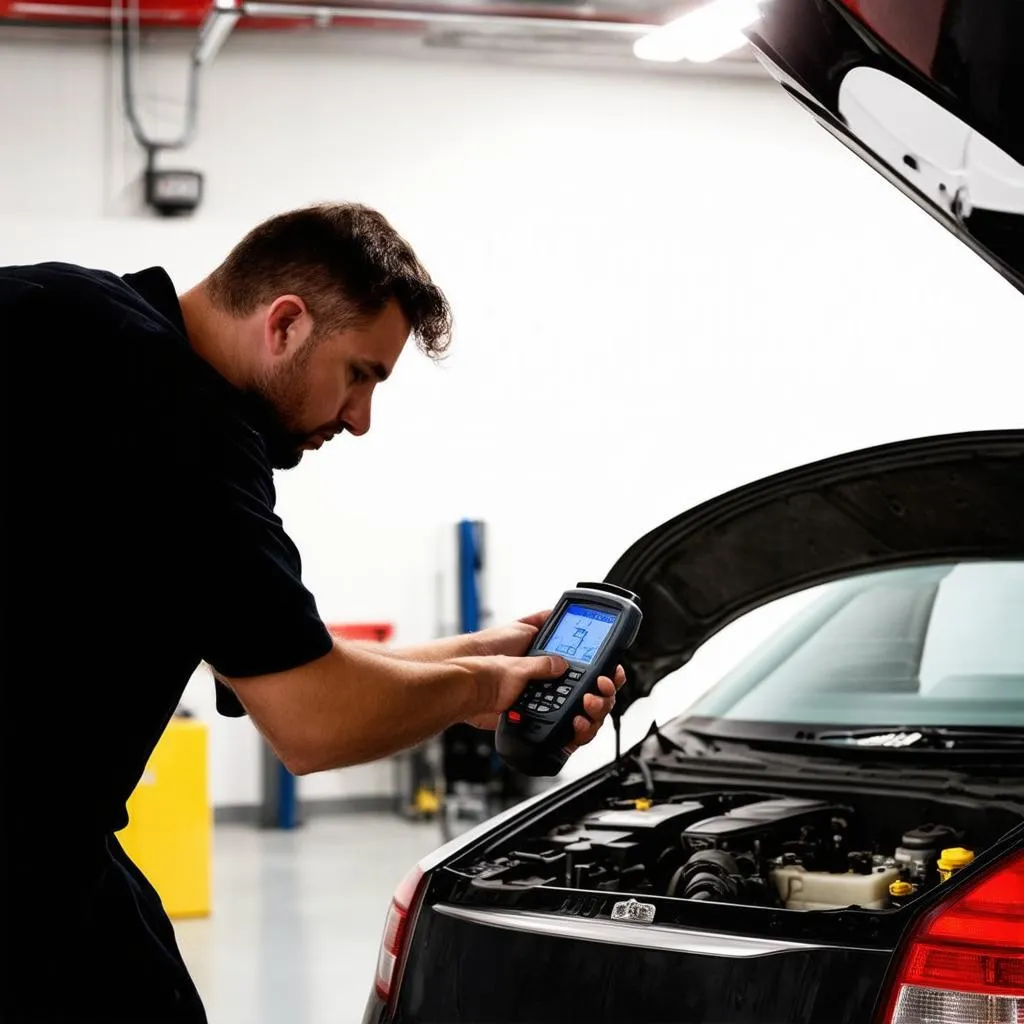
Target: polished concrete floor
[[297, 917]]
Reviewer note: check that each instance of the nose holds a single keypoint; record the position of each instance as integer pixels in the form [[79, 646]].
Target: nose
[[357, 416]]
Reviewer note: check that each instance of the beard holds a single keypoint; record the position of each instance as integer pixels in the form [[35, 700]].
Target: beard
[[274, 404]]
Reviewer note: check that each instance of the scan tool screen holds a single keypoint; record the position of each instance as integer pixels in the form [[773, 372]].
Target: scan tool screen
[[580, 632]]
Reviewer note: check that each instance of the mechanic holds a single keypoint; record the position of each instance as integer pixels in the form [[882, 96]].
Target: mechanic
[[140, 540]]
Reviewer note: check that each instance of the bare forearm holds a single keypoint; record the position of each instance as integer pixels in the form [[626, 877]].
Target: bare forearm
[[356, 705], [464, 645]]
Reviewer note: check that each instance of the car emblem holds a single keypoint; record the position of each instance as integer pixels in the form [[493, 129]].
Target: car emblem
[[633, 910]]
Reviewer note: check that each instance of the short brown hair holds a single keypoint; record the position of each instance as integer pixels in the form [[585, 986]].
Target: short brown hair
[[345, 261]]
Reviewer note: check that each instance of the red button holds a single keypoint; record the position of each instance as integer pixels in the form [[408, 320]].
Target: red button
[[513, 716]]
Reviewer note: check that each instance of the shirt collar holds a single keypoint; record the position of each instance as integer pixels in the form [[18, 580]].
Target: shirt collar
[[156, 287]]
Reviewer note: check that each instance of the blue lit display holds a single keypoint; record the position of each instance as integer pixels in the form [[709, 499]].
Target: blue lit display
[[580, 632]]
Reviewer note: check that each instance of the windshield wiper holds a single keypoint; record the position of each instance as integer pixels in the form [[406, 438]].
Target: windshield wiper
[[922, 738]]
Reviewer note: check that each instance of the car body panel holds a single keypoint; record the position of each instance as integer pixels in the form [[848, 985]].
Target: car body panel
[[947, 125], [537, 976], [956, 497]]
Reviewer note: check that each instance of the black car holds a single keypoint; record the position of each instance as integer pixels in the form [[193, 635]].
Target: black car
[[834, 832]]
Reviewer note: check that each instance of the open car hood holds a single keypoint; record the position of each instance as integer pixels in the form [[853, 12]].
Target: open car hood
[[931, 500], [929, 92]]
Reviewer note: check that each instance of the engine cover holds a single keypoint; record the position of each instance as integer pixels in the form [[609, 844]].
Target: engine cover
[[762, 826]]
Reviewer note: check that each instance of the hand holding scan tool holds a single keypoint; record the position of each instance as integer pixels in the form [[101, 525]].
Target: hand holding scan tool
[[590, 626]]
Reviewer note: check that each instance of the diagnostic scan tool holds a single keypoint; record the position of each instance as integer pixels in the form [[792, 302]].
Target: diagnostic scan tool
[[591, 625]]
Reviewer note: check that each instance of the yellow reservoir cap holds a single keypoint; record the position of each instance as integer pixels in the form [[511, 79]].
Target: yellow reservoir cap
[[643, 803], [901, 888], [952, 860]]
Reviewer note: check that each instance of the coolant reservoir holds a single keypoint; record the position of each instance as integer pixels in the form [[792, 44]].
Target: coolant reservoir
[[824, 890]]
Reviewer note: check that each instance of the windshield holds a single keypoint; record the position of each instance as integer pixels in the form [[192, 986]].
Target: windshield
[[940, 645]]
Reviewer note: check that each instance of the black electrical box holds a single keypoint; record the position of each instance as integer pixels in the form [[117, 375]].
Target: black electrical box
[[174, 193]]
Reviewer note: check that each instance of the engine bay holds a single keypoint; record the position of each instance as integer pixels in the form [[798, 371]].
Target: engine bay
[[751, 847]]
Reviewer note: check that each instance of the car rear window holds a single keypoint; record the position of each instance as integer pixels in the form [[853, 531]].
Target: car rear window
[[939, 645]]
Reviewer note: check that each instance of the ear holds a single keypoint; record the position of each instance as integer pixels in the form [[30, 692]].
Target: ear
[[287, 325]]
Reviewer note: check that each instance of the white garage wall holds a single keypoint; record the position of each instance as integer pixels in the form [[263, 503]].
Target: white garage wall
[[664, 287]]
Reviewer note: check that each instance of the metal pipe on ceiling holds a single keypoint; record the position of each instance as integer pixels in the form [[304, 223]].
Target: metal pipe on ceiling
[[130, 52], [433, 16], [218, 24], [329, 12], [477, 24]]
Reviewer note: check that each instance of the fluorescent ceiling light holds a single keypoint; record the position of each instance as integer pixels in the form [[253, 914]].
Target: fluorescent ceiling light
[[705, 34]]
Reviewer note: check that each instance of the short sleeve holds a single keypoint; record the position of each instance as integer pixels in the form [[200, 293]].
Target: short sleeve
[[256, 615]]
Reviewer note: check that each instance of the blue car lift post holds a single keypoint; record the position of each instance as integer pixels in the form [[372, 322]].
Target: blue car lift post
[[279, 805], [471, 564], [471, 618], [476, 781]]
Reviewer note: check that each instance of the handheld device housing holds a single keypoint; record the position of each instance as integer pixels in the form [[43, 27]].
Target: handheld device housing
[[590, 626]]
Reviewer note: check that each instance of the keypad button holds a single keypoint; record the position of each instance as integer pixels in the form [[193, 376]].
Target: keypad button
[[532, 707], [575, 674], [565, 689], [543, 709], [559, 701]]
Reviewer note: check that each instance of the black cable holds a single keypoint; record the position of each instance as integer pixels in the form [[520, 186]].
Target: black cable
[[645, 771], [130, 47]]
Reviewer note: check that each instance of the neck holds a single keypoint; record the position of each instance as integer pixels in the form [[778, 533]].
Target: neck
[[214, 336]]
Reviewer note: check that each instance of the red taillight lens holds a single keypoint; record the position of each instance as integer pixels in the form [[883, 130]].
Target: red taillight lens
[[396, 932], [965, 961]]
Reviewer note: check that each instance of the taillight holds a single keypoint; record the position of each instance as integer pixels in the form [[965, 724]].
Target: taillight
[[964, 962], [396, 932]]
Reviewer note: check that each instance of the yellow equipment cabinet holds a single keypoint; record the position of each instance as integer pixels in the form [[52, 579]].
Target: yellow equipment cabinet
[[169, 834]]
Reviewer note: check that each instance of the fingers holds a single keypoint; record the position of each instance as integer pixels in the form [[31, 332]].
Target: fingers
[[537, 619], [518, 673], [600, 703], [545, 666], [584, 731], [597, 707]]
